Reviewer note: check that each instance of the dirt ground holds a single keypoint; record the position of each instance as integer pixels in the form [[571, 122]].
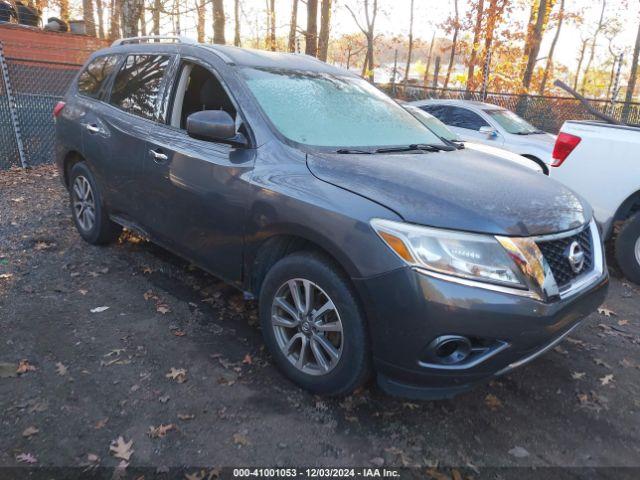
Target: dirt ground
[[130, 341]]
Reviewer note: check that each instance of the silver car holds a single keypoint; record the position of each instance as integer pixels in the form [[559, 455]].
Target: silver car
[[492, 125]]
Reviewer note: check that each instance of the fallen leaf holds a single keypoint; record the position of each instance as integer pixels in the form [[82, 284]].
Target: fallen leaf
[[178, 333], [61, 369], [377, 461], [24, 366], [160, 431], [519, 452], [247, 360], [93, 458], [240, 439], [606, 380], [177, 374], [493, 402], [186, 416], [5, 276], [82, 292], [121, 449], [578, 375], [606, 312], [601, 363], [26, 458], [30, 431], [147, 270], [622, 323], [162, 308], [149, 295], [99, 309], [164, 399], [101, 423]]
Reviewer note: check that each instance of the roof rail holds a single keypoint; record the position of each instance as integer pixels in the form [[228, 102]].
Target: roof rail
[[151, 38]]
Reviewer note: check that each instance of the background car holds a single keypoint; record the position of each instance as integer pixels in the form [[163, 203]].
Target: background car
[[493, 125], [440, 129]]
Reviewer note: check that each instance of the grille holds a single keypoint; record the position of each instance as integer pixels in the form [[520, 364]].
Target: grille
[[554, 252]]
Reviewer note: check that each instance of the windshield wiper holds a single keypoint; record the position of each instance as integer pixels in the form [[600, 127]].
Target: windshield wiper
[[353, 150], [425, 147]]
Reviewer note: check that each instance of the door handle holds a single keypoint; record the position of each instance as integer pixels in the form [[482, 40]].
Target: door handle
[[92, 128], [158, 156]]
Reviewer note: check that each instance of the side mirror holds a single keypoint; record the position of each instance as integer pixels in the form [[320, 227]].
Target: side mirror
[[488, 131], [216, 126]]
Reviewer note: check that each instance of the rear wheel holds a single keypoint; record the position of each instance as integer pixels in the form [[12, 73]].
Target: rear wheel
[[313, 326], [627, 248], [87, 207]]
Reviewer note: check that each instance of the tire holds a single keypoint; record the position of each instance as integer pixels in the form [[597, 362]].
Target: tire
[[627, 248], [334, 377], [97, 228]]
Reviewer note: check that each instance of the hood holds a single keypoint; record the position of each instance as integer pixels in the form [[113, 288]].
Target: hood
[[460, 190], [544, 141], [504, 154]]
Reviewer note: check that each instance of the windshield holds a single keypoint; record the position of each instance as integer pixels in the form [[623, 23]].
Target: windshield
[[511, 122], [328, 110], [433, 124]]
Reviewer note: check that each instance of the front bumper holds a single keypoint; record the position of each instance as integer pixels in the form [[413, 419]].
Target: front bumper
[[407, 310]]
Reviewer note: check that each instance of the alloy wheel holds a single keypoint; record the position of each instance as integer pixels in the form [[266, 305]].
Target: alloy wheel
[[307, 326], [84, 206]]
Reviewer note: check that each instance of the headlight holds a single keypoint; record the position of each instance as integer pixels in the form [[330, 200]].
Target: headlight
[[472, 256]]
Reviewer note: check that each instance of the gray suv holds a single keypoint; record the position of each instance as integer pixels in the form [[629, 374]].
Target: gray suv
[[372, 245]]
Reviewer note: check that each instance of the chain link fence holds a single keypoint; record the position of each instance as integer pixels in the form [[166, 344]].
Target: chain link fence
[[9, 154], [545, 112]]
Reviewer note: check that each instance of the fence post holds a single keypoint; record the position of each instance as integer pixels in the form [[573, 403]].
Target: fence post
[[13, 108], [485, 76]]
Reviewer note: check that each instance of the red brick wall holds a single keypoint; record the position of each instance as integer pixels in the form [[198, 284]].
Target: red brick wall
[[36, 44]]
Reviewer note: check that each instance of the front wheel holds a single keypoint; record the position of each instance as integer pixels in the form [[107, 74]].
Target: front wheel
[[313, 326], [627, 248]]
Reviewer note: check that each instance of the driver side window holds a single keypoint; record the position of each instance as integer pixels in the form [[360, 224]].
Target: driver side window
[[198, 89]]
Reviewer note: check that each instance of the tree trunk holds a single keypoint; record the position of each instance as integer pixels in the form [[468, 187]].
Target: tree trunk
[[311, 35], [100, 10], [64, 10], [592, 48], [114, 20], [130, 15], [218, 22], [293, 25], [236, 15], [631, 84], [89, 19], [454, 44], [534, 45], [200, 25], [492, 20], [409, 53], [581, 58], [143, 18], [272, 25], [425, 82], [476, 45], [325, 28], [157, 6], [549, 66]]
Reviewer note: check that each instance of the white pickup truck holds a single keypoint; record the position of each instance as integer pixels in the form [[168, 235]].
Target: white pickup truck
[[600, 161]]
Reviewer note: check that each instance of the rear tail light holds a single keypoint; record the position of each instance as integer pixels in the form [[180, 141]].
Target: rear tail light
[[58, 108], [565, 143]]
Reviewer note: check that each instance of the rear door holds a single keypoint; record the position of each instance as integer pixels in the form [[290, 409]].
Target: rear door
[[127, 120]]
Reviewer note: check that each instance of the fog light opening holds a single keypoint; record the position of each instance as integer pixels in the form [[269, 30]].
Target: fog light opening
[[449, 349]]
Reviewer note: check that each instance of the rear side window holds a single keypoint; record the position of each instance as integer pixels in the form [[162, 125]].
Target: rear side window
[[463, 118], [137, 84], [438, 111], [92, 80]]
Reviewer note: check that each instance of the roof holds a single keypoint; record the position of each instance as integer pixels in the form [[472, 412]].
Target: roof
[[450, 101]]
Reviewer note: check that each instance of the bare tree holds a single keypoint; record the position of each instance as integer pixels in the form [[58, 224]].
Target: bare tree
[[325, 28], [293, 26], [631, 84], [89, 19], [454, 43], [477, 30], [311, 34], [426, 70], [583, 49], [236, 16], [218, 22], [271, 25], [549, 66], [130, 16], [100, 12], [114, 19], [592, 47], [64, 10], [201, 13], [369, 33], [155, 16], [406, 70], [535, 38]]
